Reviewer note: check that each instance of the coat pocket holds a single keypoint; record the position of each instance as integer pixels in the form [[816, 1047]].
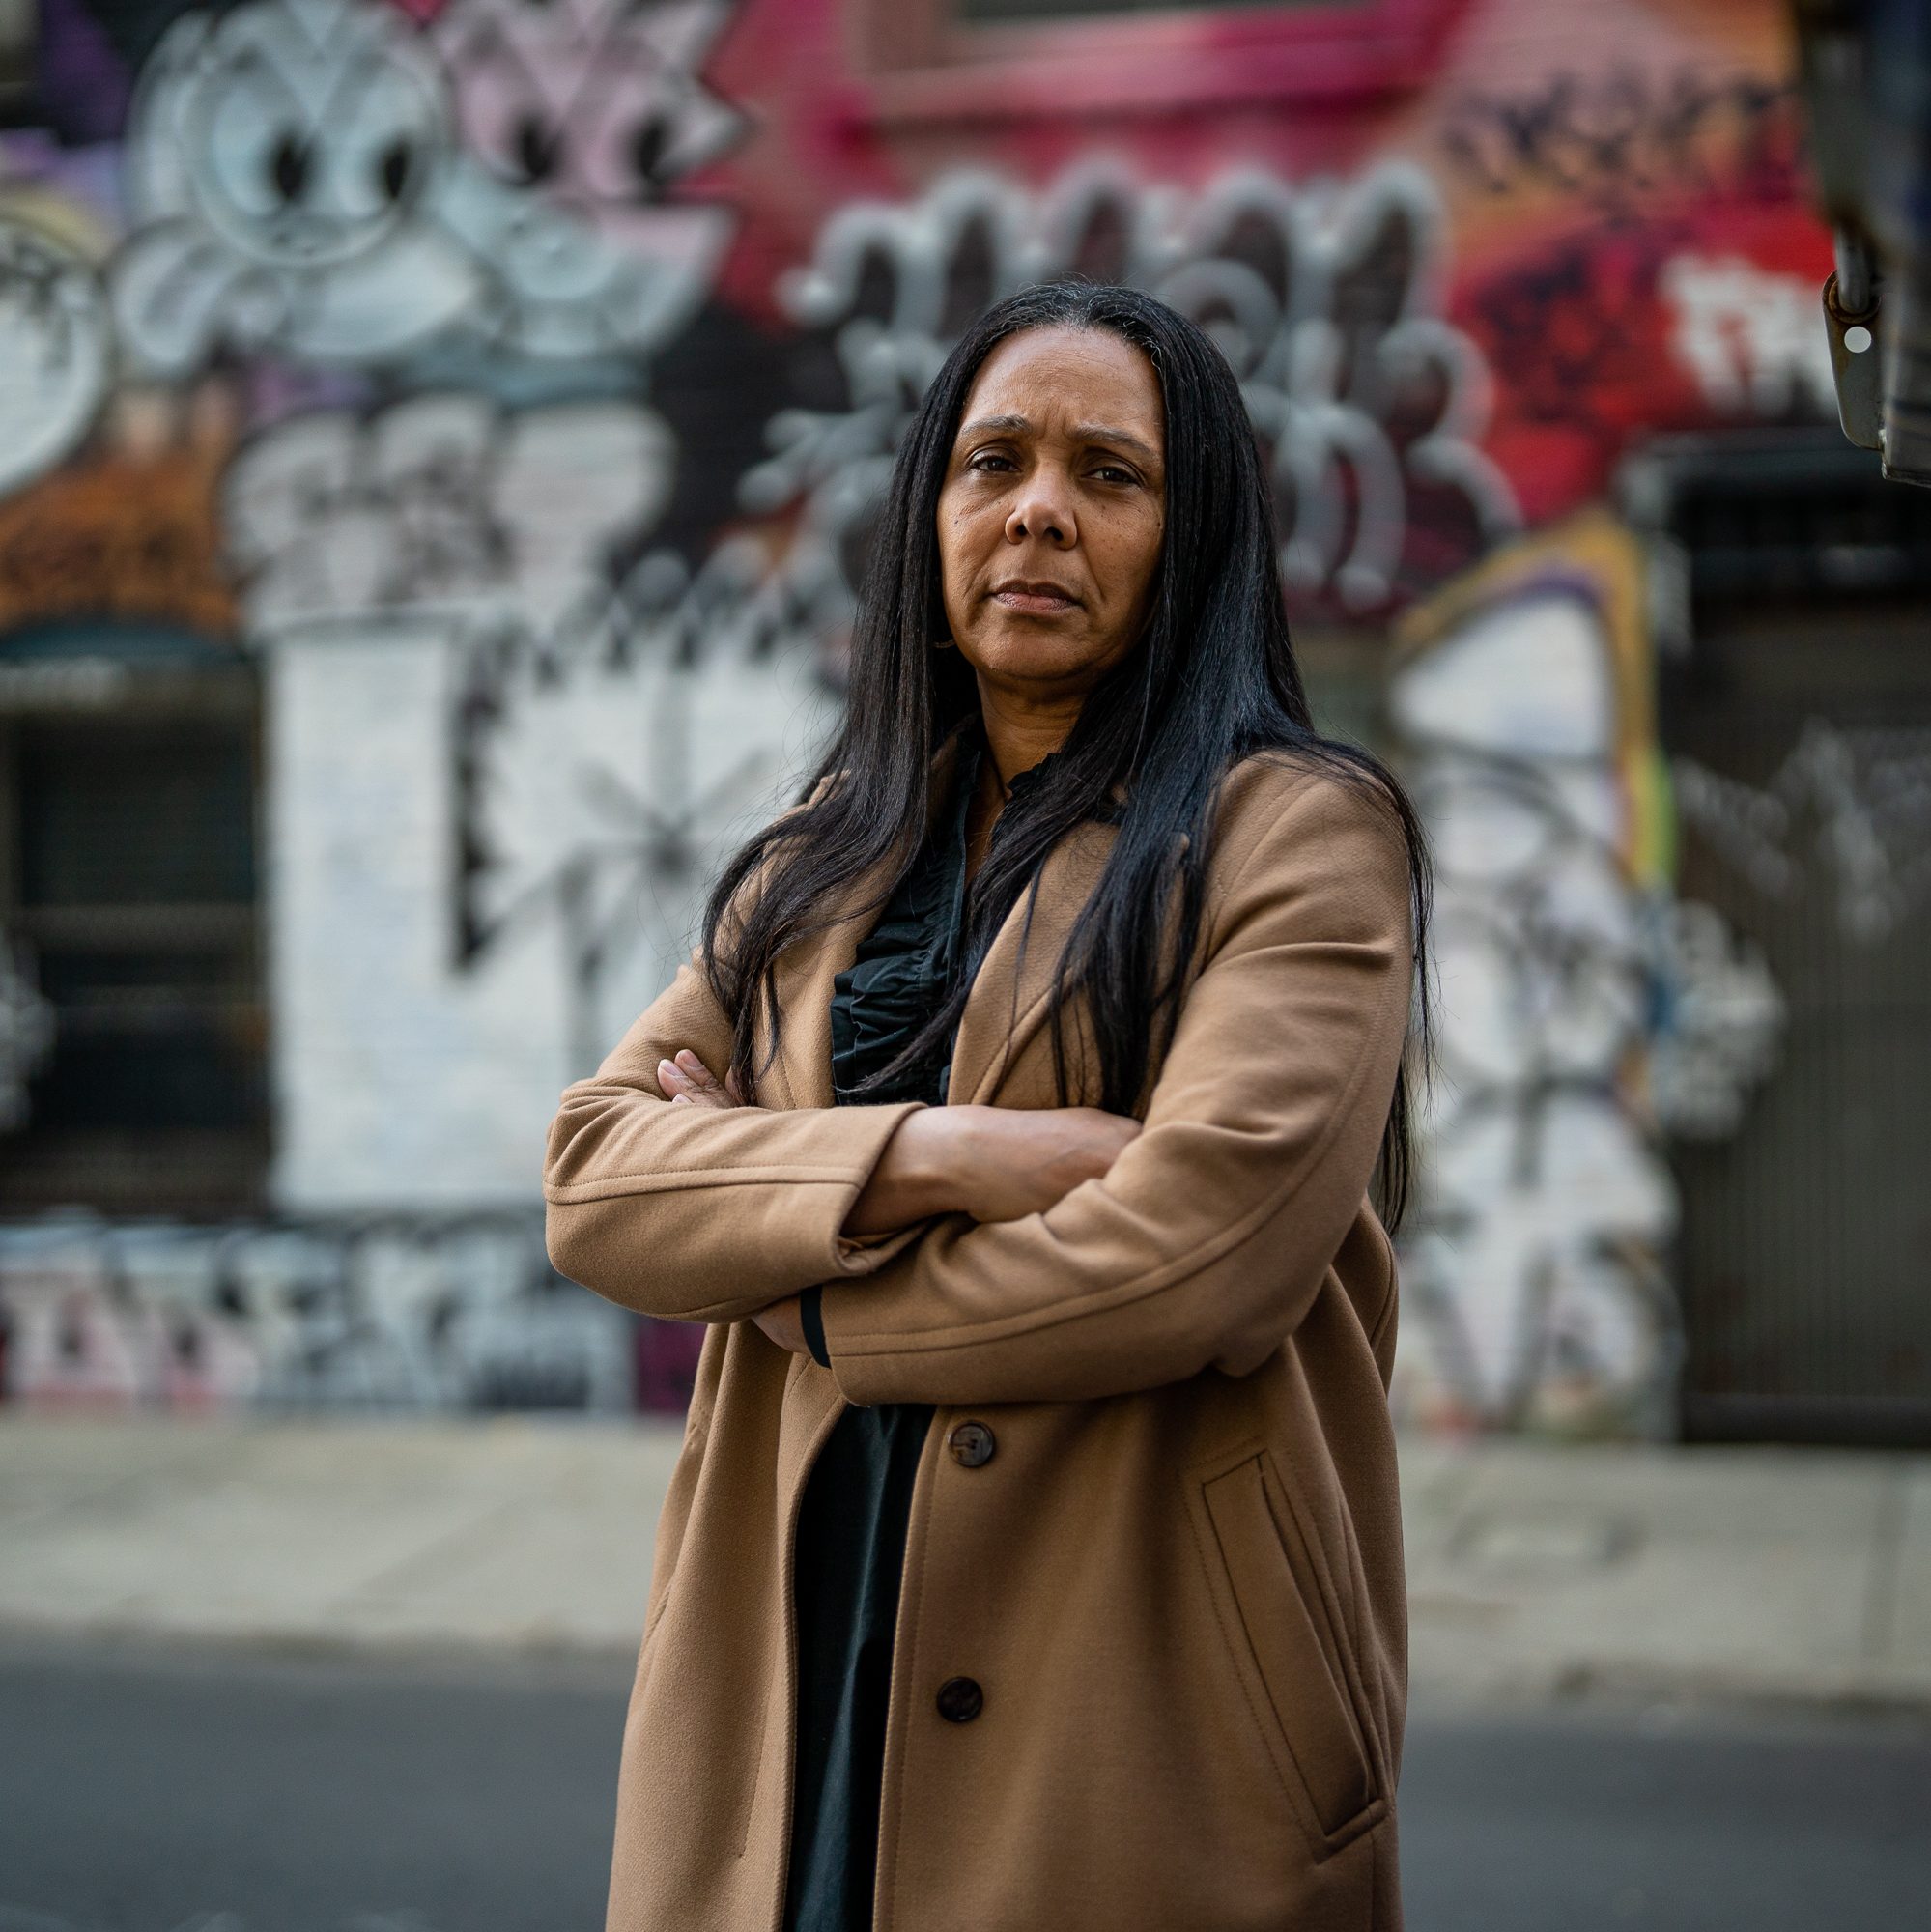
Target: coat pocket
[[1289, 1647]]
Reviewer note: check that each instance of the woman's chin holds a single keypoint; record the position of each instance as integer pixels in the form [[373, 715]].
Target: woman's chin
[[1056, 651]]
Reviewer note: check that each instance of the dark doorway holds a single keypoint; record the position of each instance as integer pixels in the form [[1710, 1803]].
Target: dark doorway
[[129, 902], [1797, 727]]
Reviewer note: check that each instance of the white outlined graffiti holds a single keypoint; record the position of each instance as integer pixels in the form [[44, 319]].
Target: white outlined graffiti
[[1720, 1028], [608, 732], [1751, 337], [1856, 802], [1547, 1208], [300, 188], [600, 781], [56, 351], [446, 504], [395, 1313], [1324, 299], [1581, 1014]]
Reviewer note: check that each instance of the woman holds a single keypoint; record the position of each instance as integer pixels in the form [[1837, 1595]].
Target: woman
[[1034, 1555]]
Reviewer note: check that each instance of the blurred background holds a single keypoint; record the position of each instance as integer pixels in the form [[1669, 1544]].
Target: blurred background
[[438, 443]]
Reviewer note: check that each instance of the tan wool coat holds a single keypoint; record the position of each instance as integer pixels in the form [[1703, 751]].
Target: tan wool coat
[[1168, 1553]]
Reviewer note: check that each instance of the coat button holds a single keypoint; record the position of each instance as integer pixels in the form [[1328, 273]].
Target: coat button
[[961, 1700], [973, 1444]]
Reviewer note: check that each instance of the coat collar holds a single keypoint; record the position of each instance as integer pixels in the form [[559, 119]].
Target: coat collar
[[1009, 999]]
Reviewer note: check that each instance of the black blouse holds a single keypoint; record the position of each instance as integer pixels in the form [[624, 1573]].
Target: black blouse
[[851, 1526]]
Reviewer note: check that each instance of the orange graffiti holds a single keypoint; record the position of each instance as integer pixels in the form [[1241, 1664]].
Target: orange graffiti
[[130, 528]]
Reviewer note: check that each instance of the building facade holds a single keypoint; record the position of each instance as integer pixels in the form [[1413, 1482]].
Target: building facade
[[438, 441]]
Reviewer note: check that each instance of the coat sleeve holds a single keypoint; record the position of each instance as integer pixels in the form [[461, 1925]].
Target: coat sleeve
[[705, 1214], [1207, 1239]]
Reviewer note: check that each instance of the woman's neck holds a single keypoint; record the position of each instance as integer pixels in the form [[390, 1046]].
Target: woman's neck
[[1017, 740]]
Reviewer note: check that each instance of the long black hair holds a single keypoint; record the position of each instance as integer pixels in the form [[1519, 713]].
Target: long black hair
[[1212, 680]]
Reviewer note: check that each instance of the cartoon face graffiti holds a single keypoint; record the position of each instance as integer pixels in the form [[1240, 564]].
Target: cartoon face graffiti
[[284, 160], [582, 114], [594, 104], [306, 133], [300, 179]]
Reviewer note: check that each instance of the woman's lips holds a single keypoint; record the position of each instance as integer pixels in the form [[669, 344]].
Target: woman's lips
[[1035, 603]]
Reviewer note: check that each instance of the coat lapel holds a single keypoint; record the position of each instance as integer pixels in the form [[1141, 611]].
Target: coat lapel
[[1008, 1002], [1008, 998]]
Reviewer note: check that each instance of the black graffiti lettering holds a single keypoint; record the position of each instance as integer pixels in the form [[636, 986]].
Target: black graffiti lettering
[[1610, 137]]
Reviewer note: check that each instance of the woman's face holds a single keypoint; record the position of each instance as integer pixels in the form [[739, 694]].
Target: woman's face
[[1052, 509]]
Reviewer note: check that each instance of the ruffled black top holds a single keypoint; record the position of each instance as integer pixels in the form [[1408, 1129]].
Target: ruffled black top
[[908, 964]]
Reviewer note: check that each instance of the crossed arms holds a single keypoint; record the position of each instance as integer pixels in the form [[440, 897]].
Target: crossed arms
[[1200, 1240]]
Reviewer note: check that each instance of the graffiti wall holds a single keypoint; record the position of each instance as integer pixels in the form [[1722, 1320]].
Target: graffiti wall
[[509, 385], [1585, 1010]]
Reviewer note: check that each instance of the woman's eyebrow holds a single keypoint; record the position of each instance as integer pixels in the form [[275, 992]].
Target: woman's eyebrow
[[1121, 439], [982, 425]]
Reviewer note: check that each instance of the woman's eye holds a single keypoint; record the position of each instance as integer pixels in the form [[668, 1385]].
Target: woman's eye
[[989, 460], [1112, 472]]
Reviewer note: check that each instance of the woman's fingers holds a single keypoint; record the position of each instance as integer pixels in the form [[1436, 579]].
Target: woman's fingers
[[706, 1086], [685, 1077]]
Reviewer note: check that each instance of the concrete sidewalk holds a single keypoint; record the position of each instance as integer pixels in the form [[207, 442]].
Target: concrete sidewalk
[[1535, 1571]]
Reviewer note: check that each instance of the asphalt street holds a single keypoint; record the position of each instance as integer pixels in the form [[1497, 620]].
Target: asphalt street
[[143, 1791]]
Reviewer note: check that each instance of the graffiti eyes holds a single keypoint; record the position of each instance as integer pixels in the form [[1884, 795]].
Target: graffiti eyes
[[395, 165], [648, 143], [536, 149], [615, 161], [288, 167]]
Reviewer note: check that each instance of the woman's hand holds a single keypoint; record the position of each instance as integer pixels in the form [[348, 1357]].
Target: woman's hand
[[687, 1081]]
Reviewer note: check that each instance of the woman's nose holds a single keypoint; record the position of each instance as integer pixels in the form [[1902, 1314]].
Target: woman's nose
[[1042, 511]]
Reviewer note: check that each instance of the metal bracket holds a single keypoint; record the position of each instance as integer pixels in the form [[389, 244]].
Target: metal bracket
[[1857, 367]]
